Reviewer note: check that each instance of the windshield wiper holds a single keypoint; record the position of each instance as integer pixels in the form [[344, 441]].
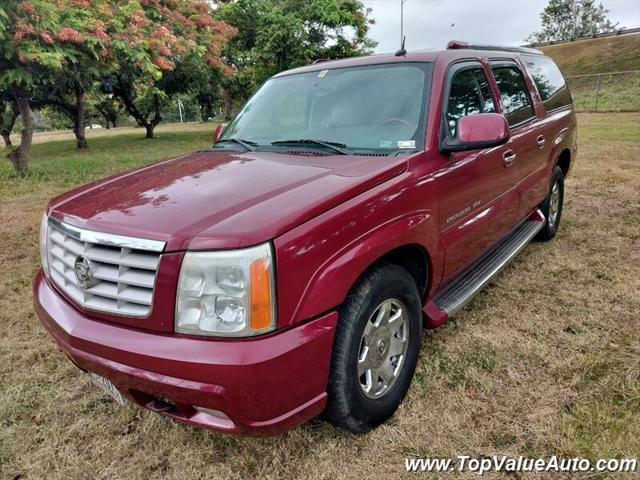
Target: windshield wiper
[[249, 145], [336, 147]]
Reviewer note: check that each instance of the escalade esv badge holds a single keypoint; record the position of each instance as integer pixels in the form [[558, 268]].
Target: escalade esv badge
[[83, 268]]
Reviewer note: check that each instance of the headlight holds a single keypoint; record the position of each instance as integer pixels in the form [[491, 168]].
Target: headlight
[[226, 293], [44, 261]]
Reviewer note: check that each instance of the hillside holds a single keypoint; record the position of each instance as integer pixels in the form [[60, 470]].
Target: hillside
[[601, 93], [598, 55]]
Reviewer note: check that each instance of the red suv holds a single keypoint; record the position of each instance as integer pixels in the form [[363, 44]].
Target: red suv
[[290, 269]]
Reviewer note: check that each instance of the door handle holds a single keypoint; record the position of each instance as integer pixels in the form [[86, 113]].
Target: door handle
[[509, 157], [540, 140]]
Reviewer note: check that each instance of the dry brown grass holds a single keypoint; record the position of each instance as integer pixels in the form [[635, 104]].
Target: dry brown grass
[[545, 361]]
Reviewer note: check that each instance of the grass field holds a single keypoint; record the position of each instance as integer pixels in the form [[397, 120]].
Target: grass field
[[545, 361], [616, 93], [597, 55], [55, 135]]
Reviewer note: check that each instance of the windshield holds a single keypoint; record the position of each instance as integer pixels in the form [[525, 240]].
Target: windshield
[[372, 107]]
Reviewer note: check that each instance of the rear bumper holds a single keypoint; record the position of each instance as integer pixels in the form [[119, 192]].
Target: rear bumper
[[263, 385]]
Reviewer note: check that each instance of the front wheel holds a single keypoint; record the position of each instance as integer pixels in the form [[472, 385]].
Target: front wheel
[[552, 206], [375, 350]]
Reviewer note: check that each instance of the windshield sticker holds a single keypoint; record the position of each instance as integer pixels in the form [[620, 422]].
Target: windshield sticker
[[386, 143], [322, 73], [406, 144]]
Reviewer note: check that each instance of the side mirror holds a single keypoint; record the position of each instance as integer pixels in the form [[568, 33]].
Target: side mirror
[[481, 130], [219, 131]]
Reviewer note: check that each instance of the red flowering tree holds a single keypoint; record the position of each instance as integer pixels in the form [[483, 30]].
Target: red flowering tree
[[52, 51], [175, 35], [49, 51]]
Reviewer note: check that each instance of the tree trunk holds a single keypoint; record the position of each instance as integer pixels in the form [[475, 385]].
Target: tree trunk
[[141, 118], [228, 104], [157, 118], [20, 156], [206, 111], [6, 127], [79, 124]]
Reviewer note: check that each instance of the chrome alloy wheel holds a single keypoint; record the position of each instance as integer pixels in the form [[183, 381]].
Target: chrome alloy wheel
[[383, 348], [554, 204]]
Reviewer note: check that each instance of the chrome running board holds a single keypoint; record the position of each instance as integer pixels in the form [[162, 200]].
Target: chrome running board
[[462, 289]]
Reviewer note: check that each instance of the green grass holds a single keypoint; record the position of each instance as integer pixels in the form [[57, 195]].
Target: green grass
[[544, 362], [598, 55], [617, 93], [60, 164]]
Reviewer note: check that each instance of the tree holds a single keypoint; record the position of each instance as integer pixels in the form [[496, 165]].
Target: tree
[[66, 92], [24, 56], [51, 52], [275, 35], [44, 42], [173, 35], [8, 116], [569, 19], [106, 106]]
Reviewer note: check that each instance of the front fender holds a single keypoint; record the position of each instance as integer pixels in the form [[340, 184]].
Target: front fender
[[319, 262]]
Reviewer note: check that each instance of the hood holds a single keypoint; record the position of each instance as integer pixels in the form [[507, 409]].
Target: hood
[[212, 200]]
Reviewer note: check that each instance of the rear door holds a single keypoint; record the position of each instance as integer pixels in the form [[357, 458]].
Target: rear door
[[477, 202], [527, 146], [553, 124]]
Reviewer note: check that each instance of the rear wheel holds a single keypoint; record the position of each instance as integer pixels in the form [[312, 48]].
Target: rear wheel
[[375, 350], [552, 206]]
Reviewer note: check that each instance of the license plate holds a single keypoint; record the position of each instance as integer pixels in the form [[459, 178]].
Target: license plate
[[106, 385]]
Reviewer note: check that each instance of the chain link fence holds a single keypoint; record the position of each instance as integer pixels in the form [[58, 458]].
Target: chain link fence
[[606, 92]]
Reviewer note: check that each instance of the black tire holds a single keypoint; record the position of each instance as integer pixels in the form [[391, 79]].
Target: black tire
[[348, 407], [551, 226]]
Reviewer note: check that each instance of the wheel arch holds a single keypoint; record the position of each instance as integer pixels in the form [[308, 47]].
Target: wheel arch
[[415, 259], [327, 283], [564, 161]]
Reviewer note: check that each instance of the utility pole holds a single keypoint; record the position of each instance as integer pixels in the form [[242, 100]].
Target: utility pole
[[576, 5]]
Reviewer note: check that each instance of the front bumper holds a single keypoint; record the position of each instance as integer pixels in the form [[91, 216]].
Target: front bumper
[[263, 385]]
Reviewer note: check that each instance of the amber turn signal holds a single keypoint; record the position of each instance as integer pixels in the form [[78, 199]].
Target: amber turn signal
[[261, 310]]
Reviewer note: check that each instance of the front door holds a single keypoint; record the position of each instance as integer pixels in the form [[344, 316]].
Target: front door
[[478, 203]]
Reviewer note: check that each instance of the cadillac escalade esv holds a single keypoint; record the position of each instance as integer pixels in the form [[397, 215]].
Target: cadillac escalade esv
[[289, 270]]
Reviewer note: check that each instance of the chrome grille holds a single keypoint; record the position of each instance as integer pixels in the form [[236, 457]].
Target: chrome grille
[[123, 268]]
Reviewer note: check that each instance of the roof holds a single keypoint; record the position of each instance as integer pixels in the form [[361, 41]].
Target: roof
[[455, 51]]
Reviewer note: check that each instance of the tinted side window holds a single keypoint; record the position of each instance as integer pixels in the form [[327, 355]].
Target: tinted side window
[[469, 94], [549, 81], [515, 95]]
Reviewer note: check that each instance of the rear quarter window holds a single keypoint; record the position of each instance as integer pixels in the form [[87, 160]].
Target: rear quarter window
[[549, 81]]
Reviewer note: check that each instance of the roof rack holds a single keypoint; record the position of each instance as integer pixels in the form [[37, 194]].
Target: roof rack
[[459, 45]]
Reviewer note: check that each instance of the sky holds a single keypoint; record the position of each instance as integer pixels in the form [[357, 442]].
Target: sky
[[432, 23]]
